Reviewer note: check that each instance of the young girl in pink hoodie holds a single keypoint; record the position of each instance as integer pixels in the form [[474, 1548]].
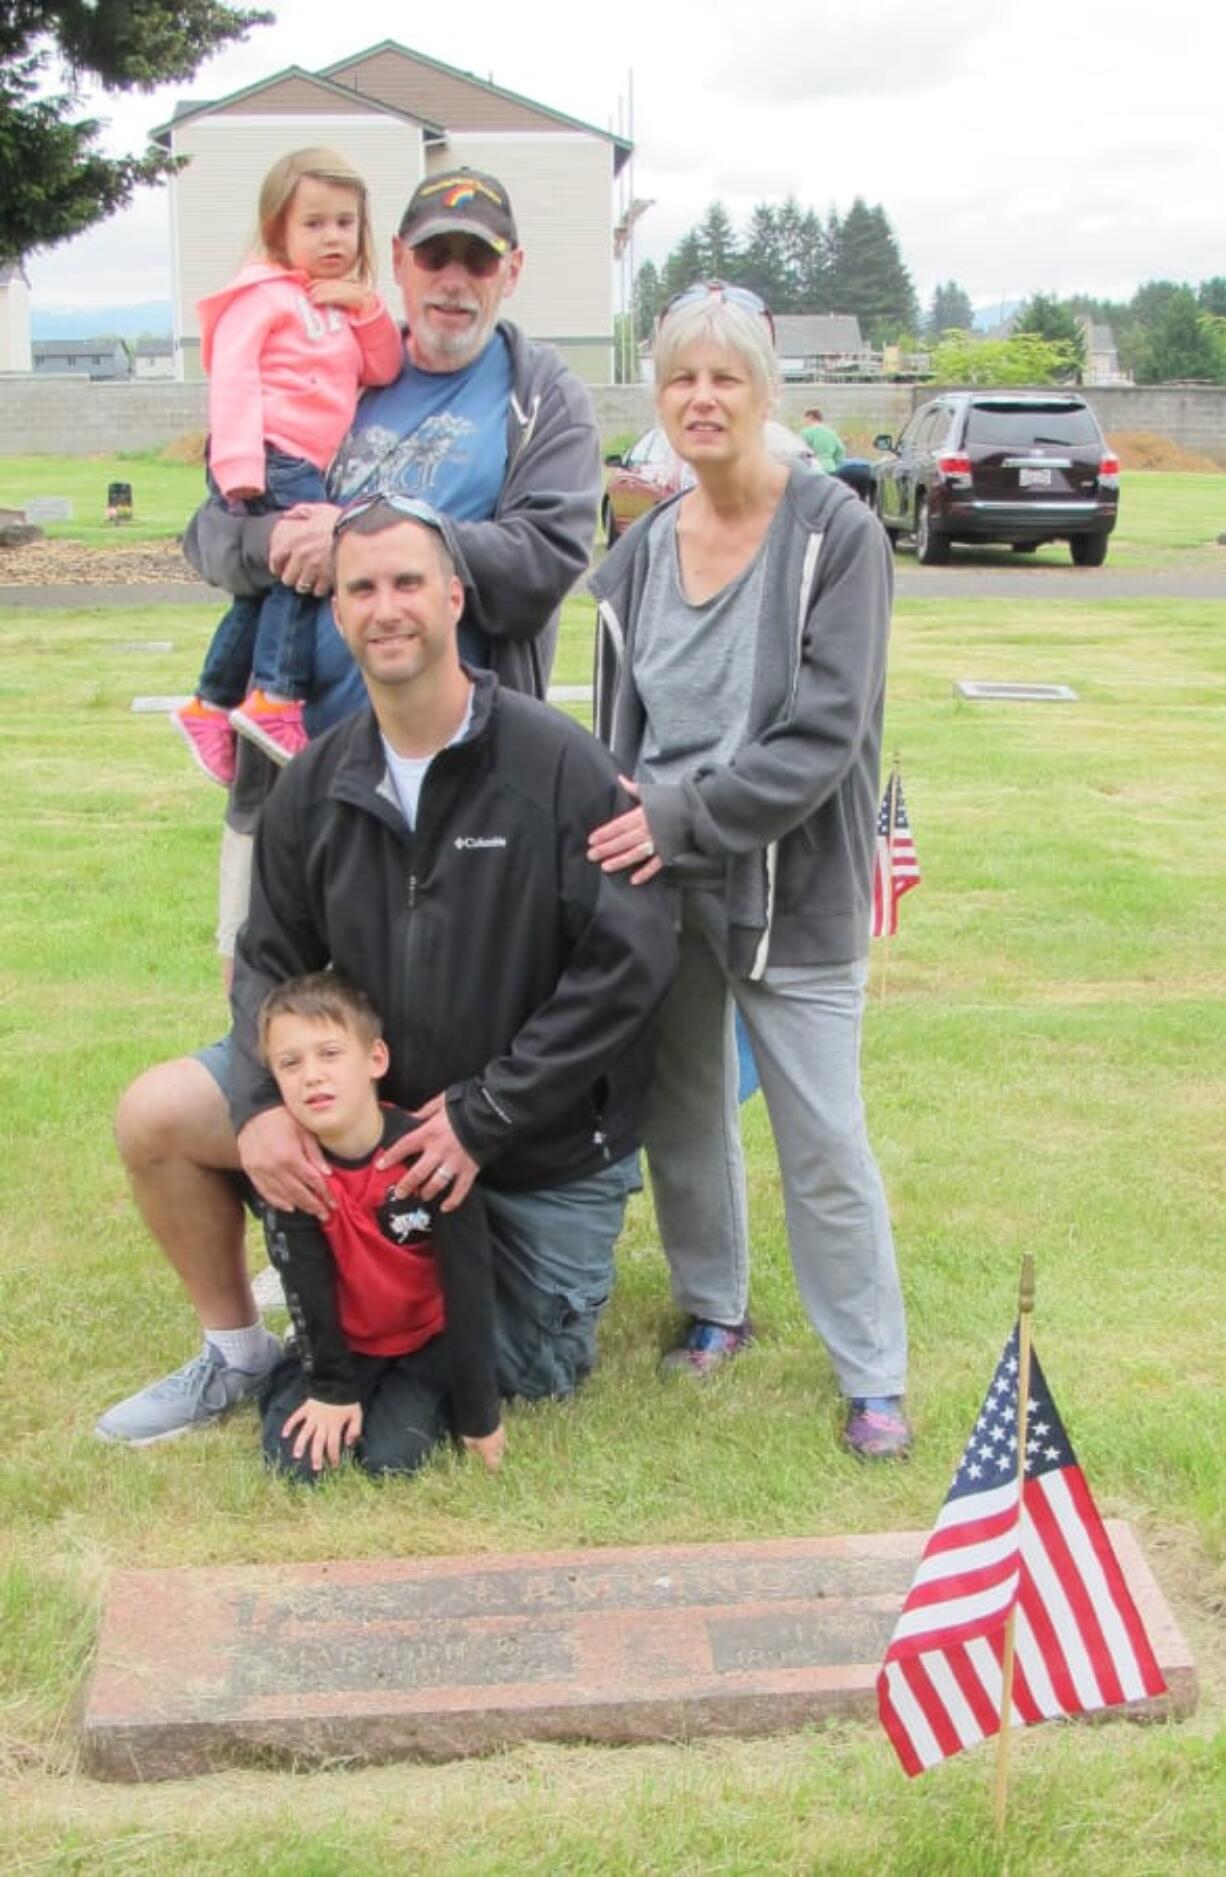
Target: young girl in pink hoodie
[[288, 345]]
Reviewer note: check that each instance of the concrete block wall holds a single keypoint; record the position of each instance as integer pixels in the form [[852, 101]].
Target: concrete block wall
[[72, 417]]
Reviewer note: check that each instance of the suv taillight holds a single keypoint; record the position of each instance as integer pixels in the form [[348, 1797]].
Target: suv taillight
[[1109, 466], [956, 465]]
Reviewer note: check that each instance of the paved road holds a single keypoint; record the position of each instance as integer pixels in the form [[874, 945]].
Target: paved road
[[967, 582]]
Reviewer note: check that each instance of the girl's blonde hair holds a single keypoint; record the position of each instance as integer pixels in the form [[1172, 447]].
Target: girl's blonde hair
[[277, 192]]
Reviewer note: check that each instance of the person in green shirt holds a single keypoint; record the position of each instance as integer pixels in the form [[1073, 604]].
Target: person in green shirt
[[825, 442]]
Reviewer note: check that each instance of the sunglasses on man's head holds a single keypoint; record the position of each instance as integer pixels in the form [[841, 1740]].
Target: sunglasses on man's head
[[744, 297], [475, 256], [407, 505]]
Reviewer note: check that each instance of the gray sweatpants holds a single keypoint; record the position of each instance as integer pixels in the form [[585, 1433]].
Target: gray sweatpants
[[804, 1026]]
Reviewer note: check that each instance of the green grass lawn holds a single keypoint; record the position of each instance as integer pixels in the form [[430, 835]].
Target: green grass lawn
[[1167, 519], [1044, 1072]]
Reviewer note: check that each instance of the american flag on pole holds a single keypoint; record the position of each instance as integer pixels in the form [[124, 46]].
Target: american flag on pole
[[1079, 1643], [895, 867]]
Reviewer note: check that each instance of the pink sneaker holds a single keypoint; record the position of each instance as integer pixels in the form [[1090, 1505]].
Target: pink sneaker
[[273, 725], [206, 730]]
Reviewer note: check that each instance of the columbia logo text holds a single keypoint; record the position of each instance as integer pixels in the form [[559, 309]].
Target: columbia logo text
[[480, 840]]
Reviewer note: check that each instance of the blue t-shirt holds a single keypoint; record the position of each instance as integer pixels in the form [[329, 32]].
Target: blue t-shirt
[[440, 436]]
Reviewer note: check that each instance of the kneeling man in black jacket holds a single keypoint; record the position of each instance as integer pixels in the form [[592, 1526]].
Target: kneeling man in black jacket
[[433, 849]]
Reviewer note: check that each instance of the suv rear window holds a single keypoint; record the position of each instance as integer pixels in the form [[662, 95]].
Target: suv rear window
[[1010, 425]]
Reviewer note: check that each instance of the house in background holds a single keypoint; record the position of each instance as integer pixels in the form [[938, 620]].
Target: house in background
[[15, 354], [399, 117], [99, 359], [821, 346], [154, 358]]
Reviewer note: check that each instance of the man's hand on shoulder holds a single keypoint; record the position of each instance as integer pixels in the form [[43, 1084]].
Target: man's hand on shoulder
[[285, 1164], [300, 548], [438, 1160]]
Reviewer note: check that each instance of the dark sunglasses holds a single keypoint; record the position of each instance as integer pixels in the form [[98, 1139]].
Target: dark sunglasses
[[744, 297], [476, 257]]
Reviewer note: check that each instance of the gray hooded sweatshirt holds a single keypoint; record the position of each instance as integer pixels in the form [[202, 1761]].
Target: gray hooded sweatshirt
[[792, 816]]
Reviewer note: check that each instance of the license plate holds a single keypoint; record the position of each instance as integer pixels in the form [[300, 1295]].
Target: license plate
[[1035, 478]]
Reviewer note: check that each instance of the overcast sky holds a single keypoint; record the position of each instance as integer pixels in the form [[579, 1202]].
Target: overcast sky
[[1015, 148]]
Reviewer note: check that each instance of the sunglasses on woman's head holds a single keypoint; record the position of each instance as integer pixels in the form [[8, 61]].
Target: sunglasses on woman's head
[[744, 297]]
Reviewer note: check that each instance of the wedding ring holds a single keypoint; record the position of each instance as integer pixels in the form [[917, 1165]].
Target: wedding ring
[[304, 586], [444, 1173], [649, 848]]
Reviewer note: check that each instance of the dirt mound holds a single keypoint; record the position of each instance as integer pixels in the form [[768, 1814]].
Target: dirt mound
[[73, 563], [1145, 449]]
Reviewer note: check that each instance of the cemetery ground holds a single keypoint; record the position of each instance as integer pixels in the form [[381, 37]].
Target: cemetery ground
[[1044, 1072]]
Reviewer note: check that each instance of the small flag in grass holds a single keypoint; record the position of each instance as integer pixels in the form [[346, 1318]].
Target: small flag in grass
[[895, 866], [1028, 1544]]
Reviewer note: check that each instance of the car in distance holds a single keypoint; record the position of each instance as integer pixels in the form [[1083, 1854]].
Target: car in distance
[[979, 466], [648, 472]]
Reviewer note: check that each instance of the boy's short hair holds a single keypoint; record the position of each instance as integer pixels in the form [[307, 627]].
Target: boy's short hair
[[321, 997]]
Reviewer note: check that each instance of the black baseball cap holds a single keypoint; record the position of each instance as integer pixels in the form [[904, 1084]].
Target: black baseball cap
[[460, 202]]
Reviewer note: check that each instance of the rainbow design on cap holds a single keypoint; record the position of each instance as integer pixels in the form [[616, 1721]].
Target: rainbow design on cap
[[457, 198]]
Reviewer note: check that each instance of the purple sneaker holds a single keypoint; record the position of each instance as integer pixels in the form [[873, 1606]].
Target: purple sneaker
[[876, 1428], [706, 1347]]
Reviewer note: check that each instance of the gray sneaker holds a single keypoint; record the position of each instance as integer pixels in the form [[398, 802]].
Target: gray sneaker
[[200, 1392]]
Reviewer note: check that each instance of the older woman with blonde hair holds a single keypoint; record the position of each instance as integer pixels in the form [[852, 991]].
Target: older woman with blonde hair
[[740, 681]]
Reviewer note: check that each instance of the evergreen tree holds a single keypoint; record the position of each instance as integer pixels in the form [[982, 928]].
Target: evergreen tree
[[794, 254], [649, 298], [718, 245], [1211, 296], [869, 278], [762, 265], [1059, 325], [54, 181], [951, 310], [814, 273], [1182, 345], [686, 264]]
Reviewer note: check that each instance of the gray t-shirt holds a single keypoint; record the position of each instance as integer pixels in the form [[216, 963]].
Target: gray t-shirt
[[693, 665]]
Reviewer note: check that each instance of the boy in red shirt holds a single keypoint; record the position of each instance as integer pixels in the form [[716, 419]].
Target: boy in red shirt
[[391, 1299]]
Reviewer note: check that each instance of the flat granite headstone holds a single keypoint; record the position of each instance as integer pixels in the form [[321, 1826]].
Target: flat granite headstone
[[443, 1658], [985, 691], [41, 508]]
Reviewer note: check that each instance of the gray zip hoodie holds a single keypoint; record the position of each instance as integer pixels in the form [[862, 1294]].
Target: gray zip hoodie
[[523, 561], [792, 817]]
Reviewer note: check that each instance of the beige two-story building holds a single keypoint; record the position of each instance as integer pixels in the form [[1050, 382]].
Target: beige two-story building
[[399, 116]]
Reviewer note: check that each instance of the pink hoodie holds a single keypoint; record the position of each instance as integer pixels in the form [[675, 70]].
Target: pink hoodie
[[285, 372]]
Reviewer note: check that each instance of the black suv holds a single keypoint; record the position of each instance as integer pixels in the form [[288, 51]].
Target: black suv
[[987, 466]]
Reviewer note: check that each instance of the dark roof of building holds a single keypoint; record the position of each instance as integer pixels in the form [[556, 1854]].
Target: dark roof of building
[[808, 335]]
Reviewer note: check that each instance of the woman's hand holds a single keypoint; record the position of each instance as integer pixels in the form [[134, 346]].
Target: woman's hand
[[626, 841], [350, 294]]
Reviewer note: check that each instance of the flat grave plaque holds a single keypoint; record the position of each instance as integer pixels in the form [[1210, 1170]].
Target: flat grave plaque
[[983, 691], [142, 705], [447, 1657], [42, 508]]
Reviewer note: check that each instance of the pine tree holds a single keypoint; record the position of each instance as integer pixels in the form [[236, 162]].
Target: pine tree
[[718, 245], [762, 256], [1059, 325], [869, 278], [950, 311], [54, 181], [649, 297], [1182, 345]]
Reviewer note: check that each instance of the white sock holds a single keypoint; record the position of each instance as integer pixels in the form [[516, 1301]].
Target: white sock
[[247, 1349]]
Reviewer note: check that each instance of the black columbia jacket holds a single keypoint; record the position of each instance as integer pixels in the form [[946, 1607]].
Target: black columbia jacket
[[508, 969]]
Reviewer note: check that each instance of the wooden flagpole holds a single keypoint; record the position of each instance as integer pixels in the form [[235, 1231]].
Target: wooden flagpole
[[1025, 1310]]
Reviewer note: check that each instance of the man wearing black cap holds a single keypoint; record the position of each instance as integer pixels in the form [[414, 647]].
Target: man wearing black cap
[[488, 426]]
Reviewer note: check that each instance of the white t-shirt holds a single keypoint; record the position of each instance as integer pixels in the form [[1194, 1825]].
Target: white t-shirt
[[409, 772]]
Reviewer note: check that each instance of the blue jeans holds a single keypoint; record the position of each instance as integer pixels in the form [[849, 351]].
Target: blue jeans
[[266, 640], [553, 1265]]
